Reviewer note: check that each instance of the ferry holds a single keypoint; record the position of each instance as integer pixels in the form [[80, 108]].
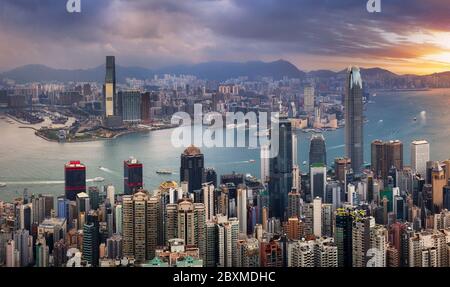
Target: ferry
[[251, 160], [98, 179], [2, 184], [163, 171]]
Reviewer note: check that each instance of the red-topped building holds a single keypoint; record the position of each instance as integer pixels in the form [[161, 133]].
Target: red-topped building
[[132, 175], [75, 179]]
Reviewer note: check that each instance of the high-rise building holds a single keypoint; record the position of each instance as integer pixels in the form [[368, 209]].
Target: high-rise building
[[248, 253], [132, 175], [361, 240], [318, 180], [341, 165], [131, 106], [109, 89], [228, 235], [296, 178], [265, 155], [242, 208], [343, 236], [385, 155], [192, 168], [294, 228], [91, 240], [294, 204], [317, 217], [208, 200], [280, 182], [317, 150], [354, 121], [139, 234], [211, 176], [114, 247], [438, 182], [75, 179], [308, 101], [271, 254], [420, 155]]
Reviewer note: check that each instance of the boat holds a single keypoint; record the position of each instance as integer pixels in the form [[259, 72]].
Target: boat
[[415, 119], [98, 179], [2, 184], [304, 163], [163, 171], [251, 160]]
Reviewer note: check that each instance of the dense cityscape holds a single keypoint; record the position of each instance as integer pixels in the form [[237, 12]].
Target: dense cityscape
[[356, 212]]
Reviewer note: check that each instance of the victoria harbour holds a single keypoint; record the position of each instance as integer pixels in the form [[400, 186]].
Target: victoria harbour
[[33, 163]]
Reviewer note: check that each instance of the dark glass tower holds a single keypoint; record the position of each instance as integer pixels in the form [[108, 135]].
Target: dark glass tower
[[211, 176], [91, 242], [132, 176], [353, 104], [75, 179], [280, 170], [317, 150], [192, 168], [343, 237], [111, 104]]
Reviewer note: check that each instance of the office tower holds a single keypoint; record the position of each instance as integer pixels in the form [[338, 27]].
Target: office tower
[[294, 204], [265, 156], [318, 180], [280, 182], [333, 194], [385, 155], [111, 104], [208, 200], [211, 243], [132, 176], [343, 236], [294, 150], [248, 253], [211, 176], [192, 168], [317, 216], [327, 220], [75, 179], [351, 195], [41, 252], [296, 178], [420, 155], [60, 254], [25, 216], [242, 208], [317, 150], [41, 207], [24, 245], [91, 240], [378, 158], [94, 197], [114, 247], [271, 254], [83, 207], [131, 108], [118, 218], [228, 235], [399, 208], [308, 101], [145, 107], [354, 121], [139, 235], [111, 194], [446, 199], [438, 182], [340, 167]]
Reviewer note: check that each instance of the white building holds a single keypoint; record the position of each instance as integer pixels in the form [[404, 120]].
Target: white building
[[420, 154]]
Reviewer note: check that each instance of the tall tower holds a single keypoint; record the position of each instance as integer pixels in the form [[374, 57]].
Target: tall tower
[[420, 154], [192, 168], [132, 175], [111, 104], [317, 150], [308, 101], [354, 145], [280, 182], [75, 179], [438, 182], [265, 155], [242, 208]]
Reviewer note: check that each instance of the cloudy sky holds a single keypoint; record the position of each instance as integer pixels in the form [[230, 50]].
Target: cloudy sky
[[406, 37]]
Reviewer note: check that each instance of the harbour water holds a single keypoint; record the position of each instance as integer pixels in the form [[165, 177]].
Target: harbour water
[[27, 161]]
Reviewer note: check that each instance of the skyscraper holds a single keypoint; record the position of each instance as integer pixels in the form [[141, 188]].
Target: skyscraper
[[385, 155], [438, 182], [265, 155], [75, 179], [354, 145], [308, 101], [420, 154], [131, 108], [132, 175], [343, 237], [317, 150], [139, 235], [192, 168], [91, 240], [340, 167], [318, 180], [242, 208], [109, 90], [280, 182]]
